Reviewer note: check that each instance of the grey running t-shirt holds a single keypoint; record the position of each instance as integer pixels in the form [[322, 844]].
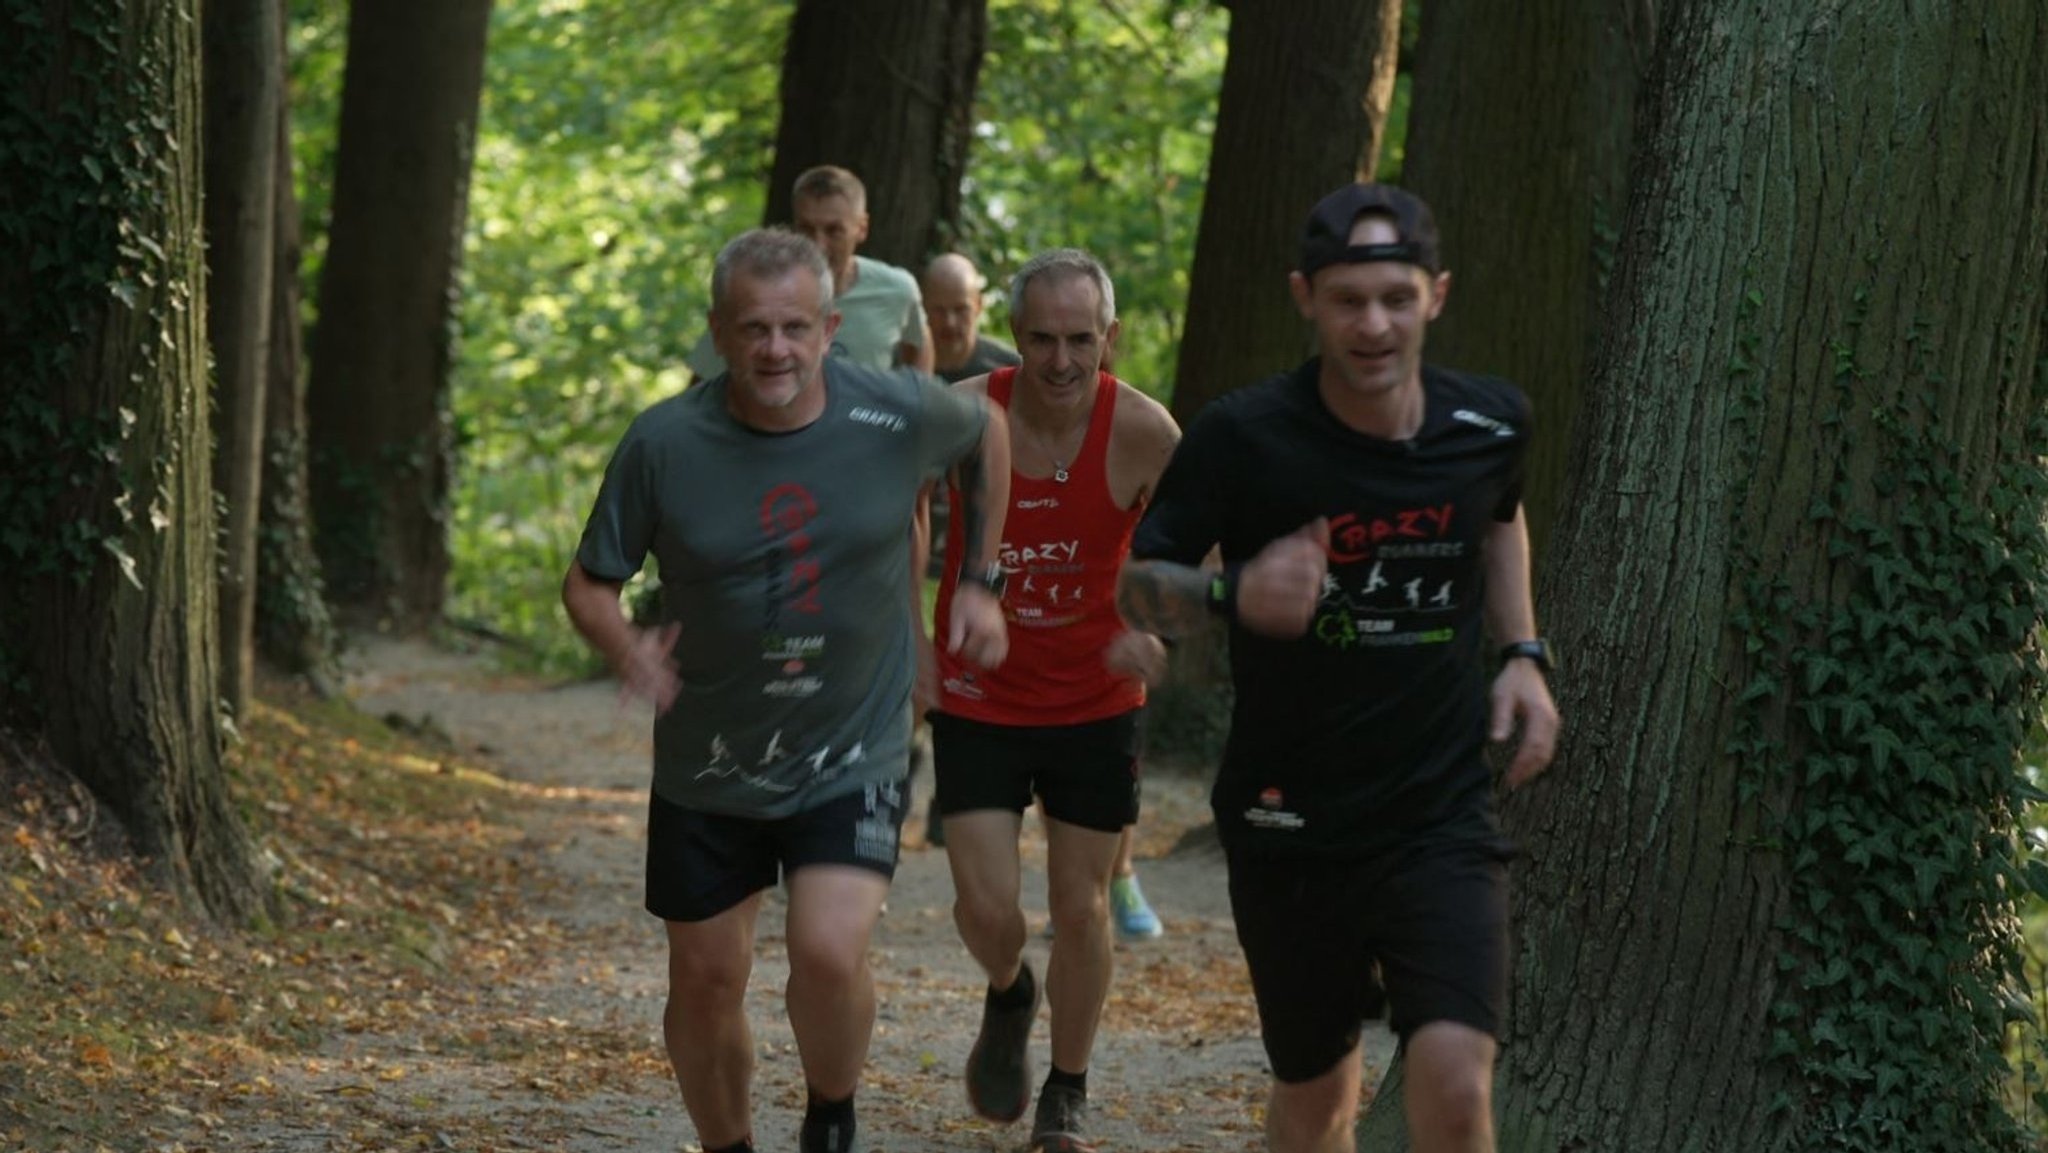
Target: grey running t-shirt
[[988, 355], [785, 559], [882, 310]]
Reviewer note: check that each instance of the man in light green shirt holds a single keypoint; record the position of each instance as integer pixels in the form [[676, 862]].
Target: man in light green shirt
[[881, 317]]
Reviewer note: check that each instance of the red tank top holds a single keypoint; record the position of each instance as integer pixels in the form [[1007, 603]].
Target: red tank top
[[1062, 546]]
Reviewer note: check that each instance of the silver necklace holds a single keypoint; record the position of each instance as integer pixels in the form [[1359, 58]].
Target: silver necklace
[[1059, 467]]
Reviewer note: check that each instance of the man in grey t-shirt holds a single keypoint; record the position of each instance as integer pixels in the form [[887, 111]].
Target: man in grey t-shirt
[[776, 498], [881, 319]]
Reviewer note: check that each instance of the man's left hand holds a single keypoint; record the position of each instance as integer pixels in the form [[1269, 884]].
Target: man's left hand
[[1137, 654], [1521, 694], [976, 633]]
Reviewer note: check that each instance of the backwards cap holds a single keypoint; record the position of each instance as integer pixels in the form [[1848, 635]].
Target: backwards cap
[[1326, 239]]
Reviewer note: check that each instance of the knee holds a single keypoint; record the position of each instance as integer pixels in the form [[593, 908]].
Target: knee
[[1311, 1114], [703, 985], [826, 960], [1306, 1123], [1075, 908], [1457, 1105], [983, 919]]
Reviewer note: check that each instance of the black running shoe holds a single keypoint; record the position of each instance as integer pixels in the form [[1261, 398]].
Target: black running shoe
[[1057, 1126], [999, 1068]]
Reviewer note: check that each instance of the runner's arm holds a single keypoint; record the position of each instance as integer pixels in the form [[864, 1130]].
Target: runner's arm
[[638, 657], [1520, 692]]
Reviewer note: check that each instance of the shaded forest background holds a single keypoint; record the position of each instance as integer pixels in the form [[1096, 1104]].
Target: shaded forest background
[[619, 145], [1775, 279]]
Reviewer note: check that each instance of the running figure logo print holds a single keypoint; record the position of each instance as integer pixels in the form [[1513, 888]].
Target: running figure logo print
[[1385, 568], [791, 591]]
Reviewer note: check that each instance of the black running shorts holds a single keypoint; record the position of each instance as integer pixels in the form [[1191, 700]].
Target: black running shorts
[[1087, 774], [701, 864], [1418, 935]]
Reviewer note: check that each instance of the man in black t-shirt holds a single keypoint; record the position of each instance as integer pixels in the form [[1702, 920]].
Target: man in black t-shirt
[[1368, 511]]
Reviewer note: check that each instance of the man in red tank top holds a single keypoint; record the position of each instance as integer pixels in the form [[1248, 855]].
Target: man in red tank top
[[1059, 718]]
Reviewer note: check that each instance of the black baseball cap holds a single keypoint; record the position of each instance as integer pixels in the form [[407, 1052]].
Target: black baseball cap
[[1326, 240]]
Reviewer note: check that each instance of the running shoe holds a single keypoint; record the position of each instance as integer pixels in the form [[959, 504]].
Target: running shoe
[[1134, 919], [1057, 1126], [999, 1067]]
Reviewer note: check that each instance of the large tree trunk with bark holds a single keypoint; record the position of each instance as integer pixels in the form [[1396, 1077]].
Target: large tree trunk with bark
[[243, 45], [1768, 895], [294, 631], [1306, 87], [112, 612], [384, 340], [884, 88], [1303, 108], [1518, 137]]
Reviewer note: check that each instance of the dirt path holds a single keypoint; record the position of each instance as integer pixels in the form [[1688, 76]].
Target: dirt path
[[1177, 1067]]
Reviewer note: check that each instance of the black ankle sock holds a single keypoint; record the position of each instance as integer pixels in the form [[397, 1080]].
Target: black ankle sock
[[1075, 1081], [743, 1145], [828, 1126], [822, 1112], [1018, 996]]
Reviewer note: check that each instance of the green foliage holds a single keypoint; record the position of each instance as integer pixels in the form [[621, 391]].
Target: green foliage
[[1883, 715], [80, 198], [1092, 129], [621, 144]]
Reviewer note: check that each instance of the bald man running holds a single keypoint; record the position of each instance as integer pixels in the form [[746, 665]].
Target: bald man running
[[952, 308]]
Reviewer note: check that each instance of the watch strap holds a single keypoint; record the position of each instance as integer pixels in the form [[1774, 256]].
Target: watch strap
[[1537, 650]]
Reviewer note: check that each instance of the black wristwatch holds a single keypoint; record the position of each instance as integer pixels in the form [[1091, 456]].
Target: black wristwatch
[[992, 578], [1537, 650]]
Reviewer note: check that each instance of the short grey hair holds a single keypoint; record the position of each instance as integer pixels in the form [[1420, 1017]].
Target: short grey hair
[[768, 253], [830, 180], [1066, 264]]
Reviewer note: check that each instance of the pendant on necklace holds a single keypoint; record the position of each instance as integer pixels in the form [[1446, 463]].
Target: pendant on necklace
[[1059, 473]]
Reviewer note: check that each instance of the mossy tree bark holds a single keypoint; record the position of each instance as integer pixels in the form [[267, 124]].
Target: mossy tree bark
[[885, 89], [1518, 137], [294, 631], [383, 345], [114, 616], [1304, 104], [1767, 897], [243, 48]]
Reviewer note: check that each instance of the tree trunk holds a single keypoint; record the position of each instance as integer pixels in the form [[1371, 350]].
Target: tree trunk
[[384, 341], [884, 88], [243, 46], [1518, 137], [1767, 897], [105, 351], [1304, 104], [293, 629]]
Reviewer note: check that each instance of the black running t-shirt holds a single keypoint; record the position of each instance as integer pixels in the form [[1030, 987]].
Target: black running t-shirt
[[1369, 730]]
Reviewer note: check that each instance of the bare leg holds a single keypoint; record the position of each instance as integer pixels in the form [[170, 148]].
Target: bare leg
[[831, 992], [1316, 1116], [1077, 978], [710, 1046], [1449, 1088], [981, 847]]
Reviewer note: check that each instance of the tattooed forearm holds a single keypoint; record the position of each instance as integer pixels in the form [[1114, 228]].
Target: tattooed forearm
[[1169, 600], [970, 517]]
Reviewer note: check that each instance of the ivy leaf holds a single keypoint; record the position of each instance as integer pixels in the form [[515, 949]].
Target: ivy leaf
[[1882, 743]]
